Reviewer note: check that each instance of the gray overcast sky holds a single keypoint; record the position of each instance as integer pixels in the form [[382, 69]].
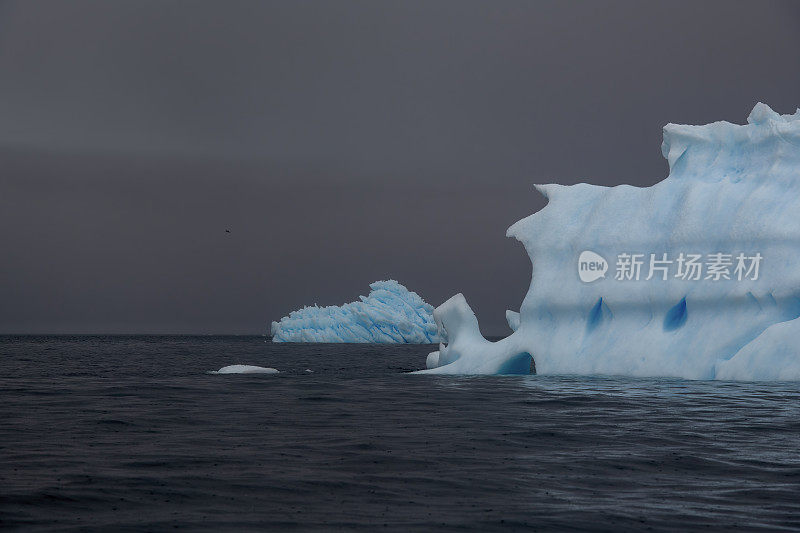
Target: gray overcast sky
[[340, 141]]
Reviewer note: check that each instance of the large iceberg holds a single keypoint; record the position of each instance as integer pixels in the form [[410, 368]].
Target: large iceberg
[[695, 277], [389, 314]]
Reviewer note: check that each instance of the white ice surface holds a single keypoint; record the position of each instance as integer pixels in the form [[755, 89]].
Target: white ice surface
[[244, 369], [731, 189], [512, 317]]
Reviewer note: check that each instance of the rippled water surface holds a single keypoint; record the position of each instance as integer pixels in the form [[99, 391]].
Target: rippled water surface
[[132, 432]]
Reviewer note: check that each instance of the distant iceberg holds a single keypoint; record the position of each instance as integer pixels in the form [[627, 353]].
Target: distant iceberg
[[390, 314], [695, 277]]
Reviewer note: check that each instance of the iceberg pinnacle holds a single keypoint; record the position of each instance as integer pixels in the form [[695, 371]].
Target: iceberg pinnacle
[[697, 276]]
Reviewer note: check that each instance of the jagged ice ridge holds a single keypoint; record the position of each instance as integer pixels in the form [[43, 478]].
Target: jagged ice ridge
[[389, 314]]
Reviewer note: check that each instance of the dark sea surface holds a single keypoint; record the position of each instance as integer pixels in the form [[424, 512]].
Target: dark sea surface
[[132, 433]]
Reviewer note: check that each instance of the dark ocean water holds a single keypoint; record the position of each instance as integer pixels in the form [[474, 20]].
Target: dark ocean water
[[115, 433]]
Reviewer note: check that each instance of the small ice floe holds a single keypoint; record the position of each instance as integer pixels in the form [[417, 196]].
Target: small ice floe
[[244, 369]]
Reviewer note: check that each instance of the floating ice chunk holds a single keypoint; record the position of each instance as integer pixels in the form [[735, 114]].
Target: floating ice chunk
[[244, 369], [632, 306], [390, 314]]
